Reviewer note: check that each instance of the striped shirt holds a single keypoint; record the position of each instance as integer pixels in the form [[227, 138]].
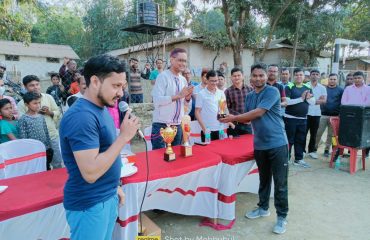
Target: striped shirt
[[135, 81]]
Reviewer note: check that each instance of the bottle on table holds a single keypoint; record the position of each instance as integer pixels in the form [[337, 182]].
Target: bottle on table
[[207, 136]]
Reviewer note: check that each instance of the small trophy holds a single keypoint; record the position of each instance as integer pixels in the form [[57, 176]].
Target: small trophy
[[168, 134], [221, 108], [186, 148]]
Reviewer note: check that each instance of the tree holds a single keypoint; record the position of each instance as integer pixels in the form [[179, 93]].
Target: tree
[[273, 10], [13, 25], [56, 25], [357, 24], [210, 26]]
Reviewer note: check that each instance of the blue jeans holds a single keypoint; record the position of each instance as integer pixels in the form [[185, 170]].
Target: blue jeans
[[94, 223], [157, 140], [136, 98]]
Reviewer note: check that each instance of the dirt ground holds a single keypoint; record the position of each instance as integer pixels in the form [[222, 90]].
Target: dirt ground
[[323, 204]]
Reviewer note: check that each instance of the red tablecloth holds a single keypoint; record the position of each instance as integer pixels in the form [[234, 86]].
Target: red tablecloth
[[31, 193], [233, 151], [159, 168]]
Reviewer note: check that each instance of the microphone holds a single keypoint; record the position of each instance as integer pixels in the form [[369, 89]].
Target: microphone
[[123, 107]]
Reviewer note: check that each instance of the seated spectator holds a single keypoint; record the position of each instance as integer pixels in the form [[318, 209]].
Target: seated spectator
[[12, 101], [56, 90], [8, 126], [32, 125]]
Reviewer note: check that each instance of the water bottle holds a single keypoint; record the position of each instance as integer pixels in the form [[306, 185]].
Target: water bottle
[[207, 136], [337, 163], [221, 134]]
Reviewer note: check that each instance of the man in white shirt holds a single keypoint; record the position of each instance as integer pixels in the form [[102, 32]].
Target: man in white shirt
[[206, 107], [171, 95], [314, 111]]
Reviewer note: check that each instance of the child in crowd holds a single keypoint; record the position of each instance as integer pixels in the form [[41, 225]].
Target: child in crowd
[[8, 126], [56, 90], [32, 125]]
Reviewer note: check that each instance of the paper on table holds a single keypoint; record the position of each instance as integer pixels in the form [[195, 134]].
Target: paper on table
[[3, 188], [128, 170]]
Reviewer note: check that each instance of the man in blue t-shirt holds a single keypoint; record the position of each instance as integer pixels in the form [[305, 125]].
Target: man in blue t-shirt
[[270, 146], [91, 150]]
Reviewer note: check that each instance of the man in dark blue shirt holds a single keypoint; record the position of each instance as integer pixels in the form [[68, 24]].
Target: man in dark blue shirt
[[299, 96], [270, 146], [91, 151], [329, 109]]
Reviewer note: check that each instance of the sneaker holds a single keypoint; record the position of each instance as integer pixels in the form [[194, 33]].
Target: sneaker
[[301, 163], [326, 153], [280, 226], [256, 213], [313, 155]]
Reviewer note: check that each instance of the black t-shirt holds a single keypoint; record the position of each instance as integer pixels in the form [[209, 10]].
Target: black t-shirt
[[293, 92], [332, 105]]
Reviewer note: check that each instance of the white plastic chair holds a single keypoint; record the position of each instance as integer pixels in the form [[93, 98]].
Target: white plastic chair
[[22, 157]]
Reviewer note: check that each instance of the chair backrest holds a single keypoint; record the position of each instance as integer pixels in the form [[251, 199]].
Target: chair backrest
[[334, 122], [22, 157], [148, 137]]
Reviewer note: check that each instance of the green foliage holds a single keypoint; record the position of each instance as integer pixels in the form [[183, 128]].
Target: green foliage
[[57, 25], [13, 25], [357, 24]]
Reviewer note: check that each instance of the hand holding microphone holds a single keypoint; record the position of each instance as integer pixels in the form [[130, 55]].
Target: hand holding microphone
[[130, 125]]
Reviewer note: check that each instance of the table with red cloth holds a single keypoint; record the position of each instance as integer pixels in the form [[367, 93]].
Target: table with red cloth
[[187, 186], [237, 161], [32, 208], [201, 185]]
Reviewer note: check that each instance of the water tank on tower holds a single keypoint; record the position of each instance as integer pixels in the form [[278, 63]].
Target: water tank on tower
[[148, 13]]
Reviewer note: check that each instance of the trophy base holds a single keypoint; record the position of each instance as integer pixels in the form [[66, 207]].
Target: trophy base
[[221, 115], [186, 151], [169, 157]]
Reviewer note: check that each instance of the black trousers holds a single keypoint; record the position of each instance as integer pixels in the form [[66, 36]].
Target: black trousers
[[296, 133], [215, 135], [240, 129], [313, 123], [273, 163]]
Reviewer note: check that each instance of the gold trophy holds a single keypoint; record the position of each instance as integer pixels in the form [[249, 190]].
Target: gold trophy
[[186, 148], [168, 134], [221, 108]]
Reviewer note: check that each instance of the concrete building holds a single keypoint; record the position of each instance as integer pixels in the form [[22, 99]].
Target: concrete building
[[198, 57], [280, 52], [37, 59]]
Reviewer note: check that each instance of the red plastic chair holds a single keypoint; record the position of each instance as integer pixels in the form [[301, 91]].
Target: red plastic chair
[[334, 122]]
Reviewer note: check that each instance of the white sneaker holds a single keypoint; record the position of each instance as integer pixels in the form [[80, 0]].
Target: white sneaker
[[301, 163], [313, 155]]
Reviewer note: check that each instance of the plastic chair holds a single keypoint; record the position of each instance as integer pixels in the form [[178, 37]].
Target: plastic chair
[[22, 157], [334, 122]]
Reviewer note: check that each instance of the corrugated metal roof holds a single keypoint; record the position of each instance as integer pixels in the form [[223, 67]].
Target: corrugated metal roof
[[37, 50]]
